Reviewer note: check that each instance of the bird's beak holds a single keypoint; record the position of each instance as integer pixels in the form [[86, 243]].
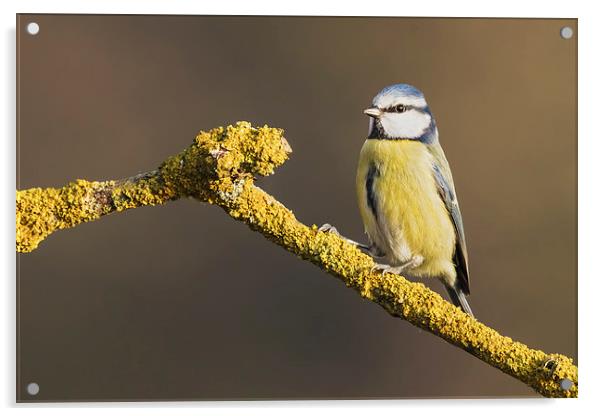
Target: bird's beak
[[373, 112]]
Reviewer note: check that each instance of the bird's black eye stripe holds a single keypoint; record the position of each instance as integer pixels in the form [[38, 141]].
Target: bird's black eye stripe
[[400, 108]]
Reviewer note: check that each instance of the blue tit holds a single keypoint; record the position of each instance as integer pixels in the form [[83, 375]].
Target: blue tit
[[406, 194]]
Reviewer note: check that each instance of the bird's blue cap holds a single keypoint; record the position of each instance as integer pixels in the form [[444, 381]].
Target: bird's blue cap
[[405, 89], [396, 92]]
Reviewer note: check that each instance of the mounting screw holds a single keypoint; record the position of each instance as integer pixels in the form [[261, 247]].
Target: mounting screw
[[566, 32], [566, 384], [33, 389], [33, 28]]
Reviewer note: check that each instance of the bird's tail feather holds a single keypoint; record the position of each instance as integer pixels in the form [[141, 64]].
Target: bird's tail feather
[[459, 299]]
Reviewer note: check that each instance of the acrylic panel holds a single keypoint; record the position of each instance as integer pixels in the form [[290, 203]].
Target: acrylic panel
[[179, 301]]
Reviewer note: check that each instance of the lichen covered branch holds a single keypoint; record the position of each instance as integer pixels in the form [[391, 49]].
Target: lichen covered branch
[[219, 167], [214, 160], [40, 212]]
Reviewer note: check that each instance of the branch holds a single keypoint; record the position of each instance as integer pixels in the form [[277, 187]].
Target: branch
[[219, 168]]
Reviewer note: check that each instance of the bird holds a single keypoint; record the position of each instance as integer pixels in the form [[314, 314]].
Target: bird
[[406, 194]]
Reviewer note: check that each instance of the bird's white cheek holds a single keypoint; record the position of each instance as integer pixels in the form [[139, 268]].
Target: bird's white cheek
[[370, 125], [409, 125]]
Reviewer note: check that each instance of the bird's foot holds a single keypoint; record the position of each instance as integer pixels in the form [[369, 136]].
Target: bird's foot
[[414, 262], [327, 228], [385, 268]]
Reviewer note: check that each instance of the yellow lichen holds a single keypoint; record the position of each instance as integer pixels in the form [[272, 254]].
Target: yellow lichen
[[222, 158], [219, 168], [139, 191], [219, 160], [42, 211]]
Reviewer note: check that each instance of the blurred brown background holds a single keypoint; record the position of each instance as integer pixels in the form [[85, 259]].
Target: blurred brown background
[[130, 307]]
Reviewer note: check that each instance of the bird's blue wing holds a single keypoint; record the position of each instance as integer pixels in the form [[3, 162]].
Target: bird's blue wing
[[445, 185]]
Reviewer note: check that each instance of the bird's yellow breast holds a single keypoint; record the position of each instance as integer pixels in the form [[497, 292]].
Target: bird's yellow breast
[[406, 217]]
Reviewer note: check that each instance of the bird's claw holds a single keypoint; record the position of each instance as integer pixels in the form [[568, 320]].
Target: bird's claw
[[411, 264], [327, 228], [383, 268]]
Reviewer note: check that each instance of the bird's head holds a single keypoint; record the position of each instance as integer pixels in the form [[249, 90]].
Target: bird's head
[[400, 112]]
